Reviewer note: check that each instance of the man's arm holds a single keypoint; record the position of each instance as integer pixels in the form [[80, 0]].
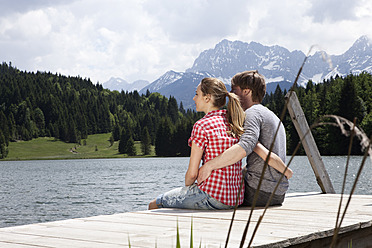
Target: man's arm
[[228, 157], [274, 160]]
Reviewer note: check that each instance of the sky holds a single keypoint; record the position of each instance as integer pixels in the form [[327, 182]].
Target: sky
[[143, 39]]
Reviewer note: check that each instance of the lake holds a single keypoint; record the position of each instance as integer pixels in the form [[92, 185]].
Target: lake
[[50, 190]]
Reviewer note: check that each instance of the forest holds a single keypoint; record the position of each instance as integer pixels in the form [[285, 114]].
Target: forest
[[349, 97], [70, 108]]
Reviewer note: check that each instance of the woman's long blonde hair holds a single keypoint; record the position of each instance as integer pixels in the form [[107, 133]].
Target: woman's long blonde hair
[[235, 114]]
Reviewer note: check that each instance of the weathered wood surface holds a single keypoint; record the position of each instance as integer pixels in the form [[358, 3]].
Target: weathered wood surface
[[304, 217], [308, 142]]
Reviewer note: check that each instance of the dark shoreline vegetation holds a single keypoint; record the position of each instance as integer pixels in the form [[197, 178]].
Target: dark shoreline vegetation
[[69, 110]]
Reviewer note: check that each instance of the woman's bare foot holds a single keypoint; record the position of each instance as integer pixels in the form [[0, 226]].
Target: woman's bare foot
[[153, 205]]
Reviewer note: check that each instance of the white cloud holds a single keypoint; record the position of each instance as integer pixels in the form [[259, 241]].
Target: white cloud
[[291, 24], [142, 39], [9, 7], [190, 21], [333, 10]]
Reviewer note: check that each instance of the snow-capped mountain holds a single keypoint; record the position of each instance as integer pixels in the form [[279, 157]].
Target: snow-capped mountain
[[230, 57], [357, 59], [120, 84], [181, 85], [276, 63], [166, 79]]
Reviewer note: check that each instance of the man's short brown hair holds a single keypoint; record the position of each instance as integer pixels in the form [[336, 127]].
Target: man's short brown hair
[[251, 80]]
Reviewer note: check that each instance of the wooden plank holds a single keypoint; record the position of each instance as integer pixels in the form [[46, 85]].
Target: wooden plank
[[303, 218], [41, 236], [15, 245], [293, 221], [308, 142]]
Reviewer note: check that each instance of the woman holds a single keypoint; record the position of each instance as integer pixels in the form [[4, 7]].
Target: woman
[[218, 130]]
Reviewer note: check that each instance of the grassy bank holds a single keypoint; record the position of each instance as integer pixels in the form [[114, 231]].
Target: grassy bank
[[95, 146]]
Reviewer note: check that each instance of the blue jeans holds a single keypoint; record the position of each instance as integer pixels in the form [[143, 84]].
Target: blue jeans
[[190, 197]]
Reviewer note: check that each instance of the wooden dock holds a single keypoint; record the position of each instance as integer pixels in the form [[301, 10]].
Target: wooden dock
[[304, 220]]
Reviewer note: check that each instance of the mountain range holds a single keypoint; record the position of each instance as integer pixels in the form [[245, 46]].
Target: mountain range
[[120, 84], [276, 63]]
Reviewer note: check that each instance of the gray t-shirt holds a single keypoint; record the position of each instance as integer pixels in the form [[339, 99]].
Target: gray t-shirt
[[260, 125]]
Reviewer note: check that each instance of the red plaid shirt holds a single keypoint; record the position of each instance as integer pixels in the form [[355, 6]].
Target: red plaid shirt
[[209, 134]]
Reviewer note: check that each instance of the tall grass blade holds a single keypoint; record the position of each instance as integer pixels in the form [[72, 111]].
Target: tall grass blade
[[345, 173], [178, 244], [191, 236], [350, 244]]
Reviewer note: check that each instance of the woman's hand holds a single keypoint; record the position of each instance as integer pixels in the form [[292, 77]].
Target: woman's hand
[[204, 173]]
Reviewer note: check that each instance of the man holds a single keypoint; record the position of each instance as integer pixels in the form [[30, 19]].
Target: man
[[260, 126]]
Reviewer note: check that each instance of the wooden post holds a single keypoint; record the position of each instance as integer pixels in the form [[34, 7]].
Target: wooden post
[[308, 142]]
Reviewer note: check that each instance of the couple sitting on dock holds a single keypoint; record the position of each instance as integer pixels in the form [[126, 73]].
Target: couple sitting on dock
[[220, 140]]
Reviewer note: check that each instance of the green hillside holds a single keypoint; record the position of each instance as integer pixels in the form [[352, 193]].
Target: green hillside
[[95, 146]]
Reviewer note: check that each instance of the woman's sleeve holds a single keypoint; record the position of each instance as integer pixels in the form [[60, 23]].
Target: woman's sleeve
[[198, 136]]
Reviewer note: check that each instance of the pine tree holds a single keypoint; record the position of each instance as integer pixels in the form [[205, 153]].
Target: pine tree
[[163, 143], [39, 121], [311, 103], [182, 109], [4, 128], [145, 141], [3, 147], [278, 100], [172, 109], [180, 145], [72, 134], [116, 133], [150, 125], [350, 108], [131, 151], [126, 143], [123, 142]]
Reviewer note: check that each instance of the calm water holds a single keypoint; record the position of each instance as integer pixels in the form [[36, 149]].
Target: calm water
[[41, 191]]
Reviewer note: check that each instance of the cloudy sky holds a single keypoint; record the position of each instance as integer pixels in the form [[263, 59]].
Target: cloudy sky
[[142, 39]]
